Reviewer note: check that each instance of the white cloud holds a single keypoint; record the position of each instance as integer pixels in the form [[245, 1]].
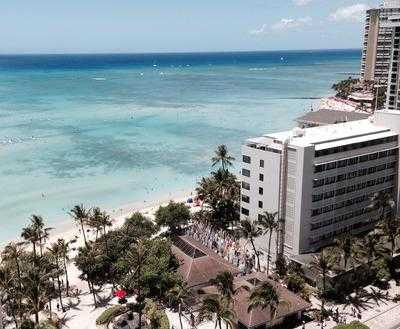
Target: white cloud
[[301, 2], [291, 23], [354, 13], [262, 30], [282, 25]]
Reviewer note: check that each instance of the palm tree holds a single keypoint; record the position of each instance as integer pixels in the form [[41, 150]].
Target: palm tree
[[382, 201], [36, 283], [177, 295], [390, 229], [321, 264], [345, 244], [216, 308], [222, 156], [263, 296], [250, 231], [12, 253], [64, 251], [55, 252], [31, 235], [269, 224], [37, 224], [81, 216]]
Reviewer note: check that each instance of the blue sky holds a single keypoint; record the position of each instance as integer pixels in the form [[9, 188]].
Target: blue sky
[[76, 26]]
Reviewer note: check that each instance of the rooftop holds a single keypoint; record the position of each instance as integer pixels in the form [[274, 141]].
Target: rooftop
[[328, 136], [258, 316], [328, 116], [199, 264]]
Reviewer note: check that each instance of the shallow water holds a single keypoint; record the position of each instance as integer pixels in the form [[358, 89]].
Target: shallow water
[[113, 129]]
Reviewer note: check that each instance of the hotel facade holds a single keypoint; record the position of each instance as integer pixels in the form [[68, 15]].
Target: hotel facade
[[378, 38], [320, 180]]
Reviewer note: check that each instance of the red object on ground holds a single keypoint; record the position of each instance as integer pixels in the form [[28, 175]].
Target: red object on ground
[[120, 293]]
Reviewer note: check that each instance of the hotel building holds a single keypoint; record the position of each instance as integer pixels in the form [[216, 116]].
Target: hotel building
[[320, 180], [378, 38]]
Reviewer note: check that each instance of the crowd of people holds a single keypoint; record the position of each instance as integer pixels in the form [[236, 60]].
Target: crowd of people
[[232, 249]]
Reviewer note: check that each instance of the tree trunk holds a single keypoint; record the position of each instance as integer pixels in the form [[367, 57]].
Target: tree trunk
[[93, 293], [269, 251], [219, 324], [66, 276], [2, 316], [36, 317], [180, 315], [256, 254], [83, 233]]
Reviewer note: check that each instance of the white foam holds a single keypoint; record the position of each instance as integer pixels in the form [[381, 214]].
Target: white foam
[[99, 79]]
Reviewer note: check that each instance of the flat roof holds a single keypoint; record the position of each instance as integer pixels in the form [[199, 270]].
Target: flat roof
[[333, 135], [329, 116]]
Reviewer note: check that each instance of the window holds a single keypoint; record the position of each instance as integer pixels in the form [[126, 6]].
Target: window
[[319, 168], [260, 204], [245, 211], [260, 191], [261, 177], [371, 170], [373, 156], [262, 163], [246, 172], [246, 159], [246, 186], [340, 191], [352, 175], [352, 161], [331, 165], [245, 198], [381, 167], [363, 158], [391, 165], [342, 163], [317, 197], [362, 172], [341, 177], [328, 195], [318, 182], [330, 180]]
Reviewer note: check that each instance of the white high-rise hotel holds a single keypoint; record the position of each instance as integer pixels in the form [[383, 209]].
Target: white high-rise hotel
[[321, 180]]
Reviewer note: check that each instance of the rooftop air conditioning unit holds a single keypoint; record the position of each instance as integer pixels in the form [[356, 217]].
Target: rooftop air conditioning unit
[[298, 132]]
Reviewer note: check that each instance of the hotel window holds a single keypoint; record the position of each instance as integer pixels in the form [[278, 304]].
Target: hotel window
[[260, 204], [328, 195], [341, 177], [261, 177], [352, 175], [319, 168], [318, 182], [371, 170], [331, 165], [392, 152], [340, 191], [373, 156], [317, 197], [246, 172], [245, 211], [246, 186], [246, 159], [330, 180], [245, 198], [262, 163], [383, 154], [342, 163], [260, 191], [362, 172], [352, 161], [363, 158], [391, 165]]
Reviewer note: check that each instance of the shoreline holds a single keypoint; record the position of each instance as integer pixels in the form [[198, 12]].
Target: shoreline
[[66, 228]]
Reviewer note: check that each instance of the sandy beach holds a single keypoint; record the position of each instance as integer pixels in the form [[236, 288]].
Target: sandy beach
[[67, 229]]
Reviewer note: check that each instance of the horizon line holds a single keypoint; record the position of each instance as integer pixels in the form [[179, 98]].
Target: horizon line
[[175, 52]]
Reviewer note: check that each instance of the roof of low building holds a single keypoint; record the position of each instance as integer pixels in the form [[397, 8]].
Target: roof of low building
[[327, 116], [199, 264], [258, 316]]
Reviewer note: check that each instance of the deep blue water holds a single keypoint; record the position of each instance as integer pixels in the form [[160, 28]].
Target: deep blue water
[[114, 129]]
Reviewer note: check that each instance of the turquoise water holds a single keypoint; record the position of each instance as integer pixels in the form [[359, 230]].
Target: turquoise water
[[109, 130]]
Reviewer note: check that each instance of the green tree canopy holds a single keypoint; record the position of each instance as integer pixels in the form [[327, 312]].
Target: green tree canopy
[[173, 216]]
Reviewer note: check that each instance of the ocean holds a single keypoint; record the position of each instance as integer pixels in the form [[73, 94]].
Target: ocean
[[110, 130]]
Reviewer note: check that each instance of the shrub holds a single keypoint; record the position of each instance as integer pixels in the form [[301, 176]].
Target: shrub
[[109, 314], [352, 325], [158, 318]]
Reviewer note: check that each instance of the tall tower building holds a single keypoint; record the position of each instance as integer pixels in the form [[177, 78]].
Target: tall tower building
[[378, 37]]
